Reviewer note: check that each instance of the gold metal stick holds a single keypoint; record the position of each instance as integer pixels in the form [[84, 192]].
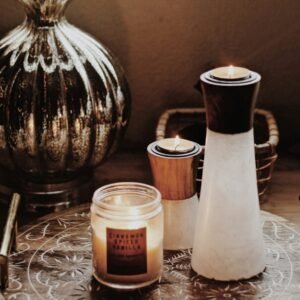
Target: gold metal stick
[[8, 237]]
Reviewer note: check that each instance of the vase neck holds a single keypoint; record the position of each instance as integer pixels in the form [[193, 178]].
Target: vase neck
[[45, 12]]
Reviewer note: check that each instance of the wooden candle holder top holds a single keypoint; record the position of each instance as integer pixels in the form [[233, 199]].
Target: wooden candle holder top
[[230, 104], [174, 174]]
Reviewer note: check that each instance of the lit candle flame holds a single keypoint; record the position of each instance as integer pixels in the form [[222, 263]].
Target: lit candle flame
[[230, 71], [176, 142]]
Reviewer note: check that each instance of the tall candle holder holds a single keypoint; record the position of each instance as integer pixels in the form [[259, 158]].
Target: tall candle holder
[[174, 174], [228, 241]]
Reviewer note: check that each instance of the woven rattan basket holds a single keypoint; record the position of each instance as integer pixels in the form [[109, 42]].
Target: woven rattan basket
[[190, 123]]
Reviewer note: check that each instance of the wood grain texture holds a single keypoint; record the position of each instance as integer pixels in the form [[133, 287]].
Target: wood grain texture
[[229, 108], [174, 178]]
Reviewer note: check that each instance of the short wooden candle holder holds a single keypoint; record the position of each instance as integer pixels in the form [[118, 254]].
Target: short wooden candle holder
[[174, 176]]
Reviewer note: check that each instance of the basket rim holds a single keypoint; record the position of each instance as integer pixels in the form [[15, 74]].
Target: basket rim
[[271, 123]]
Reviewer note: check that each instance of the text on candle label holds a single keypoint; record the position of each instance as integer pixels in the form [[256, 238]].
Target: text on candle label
[[126, 251]]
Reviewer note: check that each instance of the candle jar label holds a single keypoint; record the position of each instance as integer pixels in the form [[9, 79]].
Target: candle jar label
[[126, 251]]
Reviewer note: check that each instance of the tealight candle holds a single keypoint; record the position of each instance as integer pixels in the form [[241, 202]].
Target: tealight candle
[[230, 73], [175, 145], [127, 238]]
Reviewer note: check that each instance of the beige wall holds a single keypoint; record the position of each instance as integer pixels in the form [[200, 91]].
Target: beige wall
[[165, 44]]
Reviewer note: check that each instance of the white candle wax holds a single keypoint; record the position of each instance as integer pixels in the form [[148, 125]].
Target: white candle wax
[[175, 145], [230, 73]]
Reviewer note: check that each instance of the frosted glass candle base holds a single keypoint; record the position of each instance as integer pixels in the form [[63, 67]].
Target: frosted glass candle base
[[179, 223], [228, 241]]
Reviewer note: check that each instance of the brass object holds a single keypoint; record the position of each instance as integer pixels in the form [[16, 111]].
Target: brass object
[[8, 239]]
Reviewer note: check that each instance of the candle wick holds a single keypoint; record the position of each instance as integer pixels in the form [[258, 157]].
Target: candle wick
[[230, 72], [176, 143]]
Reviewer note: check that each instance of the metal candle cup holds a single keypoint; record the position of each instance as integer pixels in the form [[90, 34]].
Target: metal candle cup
[[174, 175]]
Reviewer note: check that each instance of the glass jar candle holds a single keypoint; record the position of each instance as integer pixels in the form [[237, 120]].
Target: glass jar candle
[[127, 239]]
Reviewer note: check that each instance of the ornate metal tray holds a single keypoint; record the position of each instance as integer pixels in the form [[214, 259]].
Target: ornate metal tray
[[54, 262]]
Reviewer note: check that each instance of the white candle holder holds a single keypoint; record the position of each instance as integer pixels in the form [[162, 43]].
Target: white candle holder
[[127, 225], [228, 241]]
